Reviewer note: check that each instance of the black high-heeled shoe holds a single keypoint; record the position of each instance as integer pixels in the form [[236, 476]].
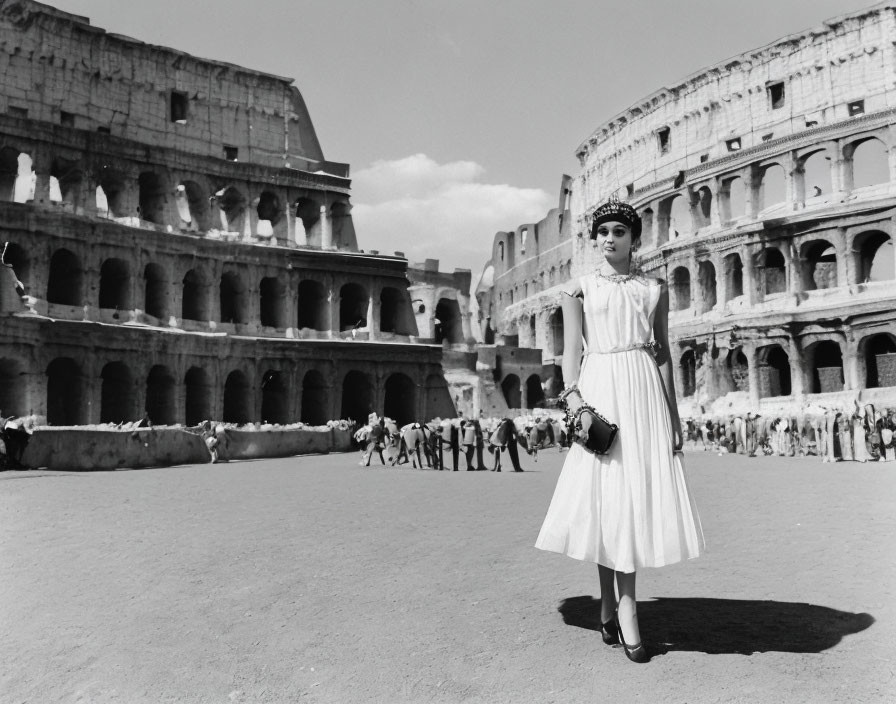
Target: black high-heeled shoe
[[636, 653], [609, 631]]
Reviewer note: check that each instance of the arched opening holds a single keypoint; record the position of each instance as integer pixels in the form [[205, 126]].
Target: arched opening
[[819, 265], [340, 224], [65, 392], [64, 282], [688, 364], [197, 396], [16, 257], [706, 274], [448, 324], [774, 371], [533, 331], [115, 285], [110, 194], [155, 291], [772, 187], [308, 212], [357, 397], [681, 289], [880, 360], [737, 370], [510, 385], [313, 309], [534, 392], [703, 207], [152, 198], [674, 219], [734, 277], [274, 398], [827, 367], [734, 201], [270, 214], [273, 303], [393, 311], [233, 298], [646, 232], [237, 405], [352, 308], [400, 402], [117, 403], [875, 258], [315, 395], [773, 271], [66, 183], [232, 205], [194, 305], [556, 321], [192, 206], [815, 172], [12, 388], [869, 164], [160, 396], [9, 173]]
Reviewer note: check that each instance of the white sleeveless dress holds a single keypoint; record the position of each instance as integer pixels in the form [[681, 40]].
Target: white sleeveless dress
[[631, 508]]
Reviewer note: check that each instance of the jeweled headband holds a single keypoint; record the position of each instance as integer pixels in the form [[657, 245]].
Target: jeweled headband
[[615, 210]]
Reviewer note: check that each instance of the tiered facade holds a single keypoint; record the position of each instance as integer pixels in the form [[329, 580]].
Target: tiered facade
[[181, 247], [767, 187]]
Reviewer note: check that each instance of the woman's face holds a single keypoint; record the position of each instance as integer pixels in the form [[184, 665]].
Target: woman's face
[[615, 241]]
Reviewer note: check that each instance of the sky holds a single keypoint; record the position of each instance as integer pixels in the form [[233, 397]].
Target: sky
[[459, 117]]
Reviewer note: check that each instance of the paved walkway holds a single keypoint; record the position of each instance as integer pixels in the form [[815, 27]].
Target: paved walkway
[[316, 580]]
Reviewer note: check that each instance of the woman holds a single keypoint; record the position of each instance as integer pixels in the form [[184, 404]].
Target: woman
[[630, 508]]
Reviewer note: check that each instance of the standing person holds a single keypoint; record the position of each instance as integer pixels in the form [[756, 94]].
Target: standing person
[[630, 508], [468, 439], [376, 441]]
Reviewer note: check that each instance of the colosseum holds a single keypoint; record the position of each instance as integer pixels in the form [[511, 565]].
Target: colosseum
[[177, 244], [767, 187]]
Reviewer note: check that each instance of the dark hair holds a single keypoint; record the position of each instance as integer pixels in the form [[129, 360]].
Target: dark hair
[[616, 211]]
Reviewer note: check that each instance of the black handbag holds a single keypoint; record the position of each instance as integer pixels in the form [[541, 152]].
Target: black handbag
[[601, 432]]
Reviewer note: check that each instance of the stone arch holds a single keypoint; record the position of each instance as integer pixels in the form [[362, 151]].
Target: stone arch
[[706, 276], [237, 402], [868, 163], [193, 206], [814, 170], [646, 231], [161, 404], [818, 260], [65, 392], [110, 194], [773, 271], [449, 325], [534, 392], [674, 218], [734, 276], [13, 392], [270, 215], [308, 213], [688, 364], [155, 291], [312, 309], [232, 205], [827, 366], [774, 371], [874, 256], [438, 398], [400, 399], [510, 386], [117, 398], [341, 224], [9, 173], [680, 289], [353, 303], [734, 199], [233, 298], [737, 370], [357, 397], [152, 197], [17, 257], [772, 186], [115, 285], [67, 181], [64, 283], [272, 303], [556, 323], [703, 207], [315, 395], [194, 303], [394, 311], [197, 396], [274, 398], [879, 352]]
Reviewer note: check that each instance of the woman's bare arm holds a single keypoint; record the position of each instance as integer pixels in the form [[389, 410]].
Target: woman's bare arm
[[664, 361]]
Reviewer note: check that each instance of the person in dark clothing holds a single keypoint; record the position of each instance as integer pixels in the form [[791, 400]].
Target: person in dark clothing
[[376, 441]]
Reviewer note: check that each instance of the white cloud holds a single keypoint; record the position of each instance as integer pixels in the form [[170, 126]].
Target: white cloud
[[440, 211]]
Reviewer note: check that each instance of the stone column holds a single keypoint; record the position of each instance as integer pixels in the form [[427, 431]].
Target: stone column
[[373, 315], [797, 369], [333, 303], [718, 261], [524, 395], [750, 182], [846, 265], [792, 180], [851, 363], [326, 232], [749, 275], [753, 374]]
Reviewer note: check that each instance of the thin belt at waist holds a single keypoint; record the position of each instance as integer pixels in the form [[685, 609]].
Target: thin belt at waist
[[652, 347]]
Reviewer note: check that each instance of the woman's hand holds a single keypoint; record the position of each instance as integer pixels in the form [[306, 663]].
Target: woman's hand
[[585, 420], [677, 439]]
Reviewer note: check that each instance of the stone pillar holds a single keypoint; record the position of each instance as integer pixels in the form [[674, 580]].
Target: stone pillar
[[846, 263], [250, 220], [840, 177], [797, 369], [333, 303], [373, 315], [792, 180], [753, 374], [92, 391], [718, 261], [41, 165], [326, 232], [749, 275], [524, 395], [851, 364], [750, 195]]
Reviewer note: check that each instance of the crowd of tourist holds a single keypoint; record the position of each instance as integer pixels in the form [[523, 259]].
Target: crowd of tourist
[[861, 434]]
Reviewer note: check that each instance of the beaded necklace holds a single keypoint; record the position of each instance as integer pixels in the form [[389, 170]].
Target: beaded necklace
[[618, 278]]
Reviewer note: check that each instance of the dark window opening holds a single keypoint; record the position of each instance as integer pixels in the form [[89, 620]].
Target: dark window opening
[[811, 123], [768, 137], [704, 158], [776, 95], [17, 112], [733, 144], [178, 104], [857, 107], [104, 130], [231, 153], [66, 119], [664, 135]]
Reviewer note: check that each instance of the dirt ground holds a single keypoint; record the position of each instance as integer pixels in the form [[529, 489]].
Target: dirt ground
[[315, 580]]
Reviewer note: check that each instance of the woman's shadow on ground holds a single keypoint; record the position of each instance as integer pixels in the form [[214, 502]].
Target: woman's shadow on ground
[[718, 626]]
